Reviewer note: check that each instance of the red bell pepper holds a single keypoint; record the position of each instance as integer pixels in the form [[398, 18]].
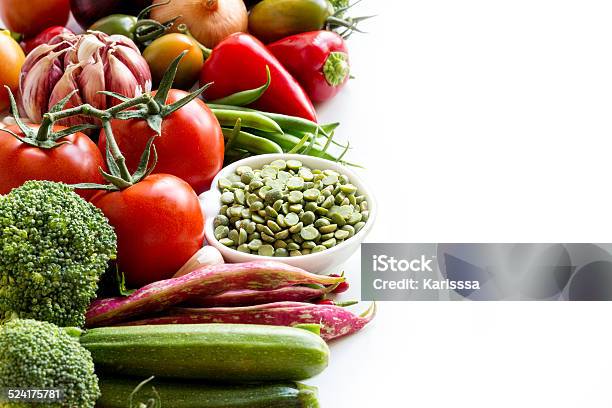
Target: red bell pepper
[[317, 59], [44, 37], [239, 62]]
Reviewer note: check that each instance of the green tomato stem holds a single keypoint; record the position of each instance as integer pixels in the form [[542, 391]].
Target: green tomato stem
[[117, 156]]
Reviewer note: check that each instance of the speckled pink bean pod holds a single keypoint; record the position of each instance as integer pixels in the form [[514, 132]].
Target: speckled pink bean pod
[[335, 321], [257, 297], [206, 281]]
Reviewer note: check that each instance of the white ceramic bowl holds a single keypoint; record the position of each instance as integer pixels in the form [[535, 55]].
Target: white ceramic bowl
[[320, 262]]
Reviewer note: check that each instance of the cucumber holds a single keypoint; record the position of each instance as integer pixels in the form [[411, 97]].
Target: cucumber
[[172, 393], [223, 352]]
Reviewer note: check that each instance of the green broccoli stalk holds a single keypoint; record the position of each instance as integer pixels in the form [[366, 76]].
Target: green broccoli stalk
[[54, 246], [39, 355]]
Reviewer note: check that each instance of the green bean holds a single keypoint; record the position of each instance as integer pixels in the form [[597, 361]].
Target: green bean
[[284, 121], [245, 97], [253, 120], [253, 143], [288, 142]]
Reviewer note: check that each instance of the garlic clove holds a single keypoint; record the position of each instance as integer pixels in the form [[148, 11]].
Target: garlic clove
[[91, 81], [36, 86], [137, 66], [88, 46], [120, 79], [63, 87]]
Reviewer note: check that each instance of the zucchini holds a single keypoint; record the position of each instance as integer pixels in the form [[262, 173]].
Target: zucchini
[[116, 393], [223, 352]]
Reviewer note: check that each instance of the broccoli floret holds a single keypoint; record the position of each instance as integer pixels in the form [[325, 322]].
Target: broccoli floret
[[54, 246], [38, 355]]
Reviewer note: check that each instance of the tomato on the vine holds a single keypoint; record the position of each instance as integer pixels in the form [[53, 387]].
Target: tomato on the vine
[[77, 161], [159, 225], [33, 16], [12, 58], [191, 145]]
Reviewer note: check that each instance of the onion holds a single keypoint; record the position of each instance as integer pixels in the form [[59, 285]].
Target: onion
[[209, 21]]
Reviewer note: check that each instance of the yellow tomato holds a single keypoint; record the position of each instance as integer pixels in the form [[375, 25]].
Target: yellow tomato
[[12, 57], [161, 52]]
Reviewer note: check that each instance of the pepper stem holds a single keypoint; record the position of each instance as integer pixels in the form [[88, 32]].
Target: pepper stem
[[336, 68]]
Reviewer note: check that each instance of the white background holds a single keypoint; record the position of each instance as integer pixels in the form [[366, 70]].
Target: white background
[[480, 121]]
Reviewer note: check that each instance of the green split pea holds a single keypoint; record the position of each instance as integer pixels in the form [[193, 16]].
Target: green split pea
[[287, 209]]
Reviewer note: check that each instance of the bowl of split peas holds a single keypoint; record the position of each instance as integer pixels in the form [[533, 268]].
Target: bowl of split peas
[[305, 211]]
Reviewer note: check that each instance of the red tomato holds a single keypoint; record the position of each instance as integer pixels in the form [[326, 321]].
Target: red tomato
[[30, 17], [44, 37], [159, 226], [71, 163], [191, 145]]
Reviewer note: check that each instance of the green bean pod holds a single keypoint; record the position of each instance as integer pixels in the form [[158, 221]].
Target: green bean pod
[[243, 98], [286, 122], [254, 120], [252, 143], [288, 142]]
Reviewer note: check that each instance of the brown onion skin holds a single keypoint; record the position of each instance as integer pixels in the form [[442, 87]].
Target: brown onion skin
[[209, 21]]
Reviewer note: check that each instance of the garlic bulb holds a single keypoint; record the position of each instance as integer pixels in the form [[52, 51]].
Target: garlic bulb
[[88, 63]]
